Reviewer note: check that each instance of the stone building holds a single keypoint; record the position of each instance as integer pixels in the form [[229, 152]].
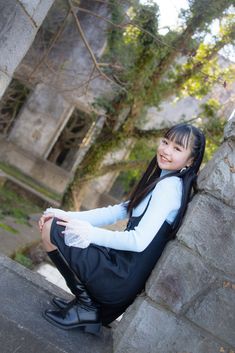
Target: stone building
[[58, 82], [55, 103]]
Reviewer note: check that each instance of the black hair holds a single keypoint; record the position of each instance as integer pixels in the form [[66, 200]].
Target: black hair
[[185, 135]]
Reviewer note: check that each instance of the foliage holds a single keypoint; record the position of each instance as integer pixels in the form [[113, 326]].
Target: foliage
[[142, 152], [146, 67], [14, 205], [8, 228], [213, 126], [23, 260], [11, 103]]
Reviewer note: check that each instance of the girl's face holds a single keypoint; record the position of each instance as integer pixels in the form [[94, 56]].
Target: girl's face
[[172, 156]]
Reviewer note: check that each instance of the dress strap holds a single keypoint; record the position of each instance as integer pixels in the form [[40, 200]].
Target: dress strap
[[146, 207], [133, 221]]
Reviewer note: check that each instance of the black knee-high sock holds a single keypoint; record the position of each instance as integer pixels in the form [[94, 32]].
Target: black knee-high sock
[[64, 269], [72, 281]]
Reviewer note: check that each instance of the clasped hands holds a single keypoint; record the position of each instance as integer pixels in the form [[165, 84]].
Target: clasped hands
[[76, 232]]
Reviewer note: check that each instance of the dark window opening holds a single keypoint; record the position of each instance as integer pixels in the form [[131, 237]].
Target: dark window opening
[[68, 143], [10, 105]]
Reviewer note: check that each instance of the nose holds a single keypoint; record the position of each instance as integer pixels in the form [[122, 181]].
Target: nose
[[167, 149]]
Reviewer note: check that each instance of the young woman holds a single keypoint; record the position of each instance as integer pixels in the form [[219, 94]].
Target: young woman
[[105, 269]]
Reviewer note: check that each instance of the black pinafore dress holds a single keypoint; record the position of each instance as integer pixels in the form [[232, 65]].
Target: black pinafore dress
[[113, 277]]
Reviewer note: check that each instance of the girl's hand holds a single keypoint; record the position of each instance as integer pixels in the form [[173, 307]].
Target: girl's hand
[[56, 212], [76, 232], [50, 213], [44, 219]]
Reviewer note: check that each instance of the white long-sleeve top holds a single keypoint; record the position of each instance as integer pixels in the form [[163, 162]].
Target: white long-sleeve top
[[164, 205]]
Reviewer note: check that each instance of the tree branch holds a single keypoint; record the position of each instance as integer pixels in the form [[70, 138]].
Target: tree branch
[[54, 40], [116, 167], [80, 30], [148, 134]]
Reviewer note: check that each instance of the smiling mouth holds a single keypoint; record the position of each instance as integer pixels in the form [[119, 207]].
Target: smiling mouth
[[164, 159]]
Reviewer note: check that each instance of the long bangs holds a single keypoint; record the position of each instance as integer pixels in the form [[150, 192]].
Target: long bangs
[[180, 134]]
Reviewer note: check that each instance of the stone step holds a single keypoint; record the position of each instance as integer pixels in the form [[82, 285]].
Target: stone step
[[24, 296], [24, 185]]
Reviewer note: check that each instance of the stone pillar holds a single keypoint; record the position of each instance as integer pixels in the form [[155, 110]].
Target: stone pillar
[[41, 121], [189, 304], [19, 23]]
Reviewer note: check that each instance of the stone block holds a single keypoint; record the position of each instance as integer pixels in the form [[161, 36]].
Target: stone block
[[215, 312], [209, 230], [178, 278], [4, 82], [43, 171], [218, 176], [229, 130], [16, 28], [20, 21], [151, 329], [36, 9], [40, 121]]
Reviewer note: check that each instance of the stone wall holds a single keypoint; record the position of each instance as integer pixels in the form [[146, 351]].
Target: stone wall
[[69, 56], [42, 171], [53, 98], [41, 121], [189, 302], [19, 23]]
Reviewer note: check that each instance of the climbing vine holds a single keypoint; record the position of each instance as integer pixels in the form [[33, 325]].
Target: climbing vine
[[145, 66]]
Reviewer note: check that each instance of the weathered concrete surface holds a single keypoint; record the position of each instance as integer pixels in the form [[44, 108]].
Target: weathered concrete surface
[[17, 25], [24, 295], [18, 236], [76, 76], [214, 312], [179, 278], [152, 329], [229, 130], [36, 9], [41, 170], [209, 230], [5, 80], [41, 121], [218, 177]]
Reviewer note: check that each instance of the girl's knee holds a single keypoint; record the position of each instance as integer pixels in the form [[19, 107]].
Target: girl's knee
[[46, 230]]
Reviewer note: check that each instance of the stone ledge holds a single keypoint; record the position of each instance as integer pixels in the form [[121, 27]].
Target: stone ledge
[[24, 295]]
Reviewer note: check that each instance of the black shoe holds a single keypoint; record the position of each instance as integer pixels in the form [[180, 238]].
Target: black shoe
[[78, 315], [63, 303]]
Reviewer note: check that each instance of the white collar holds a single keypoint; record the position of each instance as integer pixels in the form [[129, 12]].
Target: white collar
[[165, 172]]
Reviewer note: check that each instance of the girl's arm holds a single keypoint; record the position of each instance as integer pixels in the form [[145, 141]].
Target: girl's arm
[[101, 216], [166, 197], [96, 217]]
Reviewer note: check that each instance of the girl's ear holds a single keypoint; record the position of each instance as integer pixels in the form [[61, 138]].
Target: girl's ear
[[190, 162]]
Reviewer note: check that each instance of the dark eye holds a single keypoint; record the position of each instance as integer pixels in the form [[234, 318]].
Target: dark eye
[[178, 149], [165, 142]]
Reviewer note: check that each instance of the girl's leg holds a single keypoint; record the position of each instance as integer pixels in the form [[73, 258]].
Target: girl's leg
[[54, 254], [46, 239], [75, 314]]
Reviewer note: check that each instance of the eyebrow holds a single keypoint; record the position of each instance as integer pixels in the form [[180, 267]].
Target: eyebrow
[[178, 143]]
